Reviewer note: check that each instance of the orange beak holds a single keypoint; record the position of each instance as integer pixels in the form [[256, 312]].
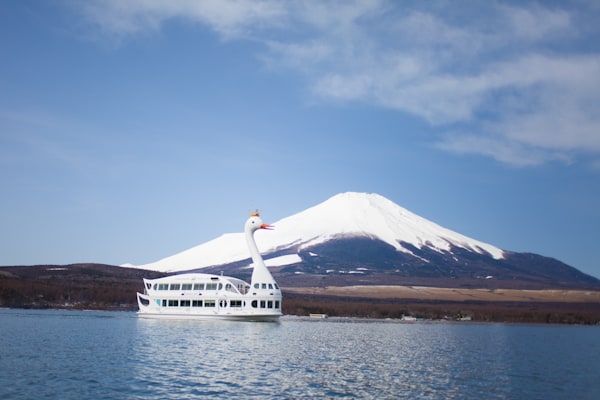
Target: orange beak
[[266, 226]]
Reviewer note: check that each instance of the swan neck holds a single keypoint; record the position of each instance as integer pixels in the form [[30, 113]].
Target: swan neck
[[260, 272], [256, 257]]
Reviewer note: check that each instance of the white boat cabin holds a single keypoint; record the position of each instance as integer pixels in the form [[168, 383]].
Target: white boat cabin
[[196, 295]]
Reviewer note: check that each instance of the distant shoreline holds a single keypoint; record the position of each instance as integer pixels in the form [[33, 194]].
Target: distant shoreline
[[112, 288], [302, 305], [482, 305], [453, 294]]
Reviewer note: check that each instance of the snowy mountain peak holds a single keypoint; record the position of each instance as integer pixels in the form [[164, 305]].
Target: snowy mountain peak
[[344, 215], [374, 216]]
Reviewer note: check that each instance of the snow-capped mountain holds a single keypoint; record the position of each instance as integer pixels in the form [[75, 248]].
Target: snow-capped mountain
[[360, 238], [346, 215]]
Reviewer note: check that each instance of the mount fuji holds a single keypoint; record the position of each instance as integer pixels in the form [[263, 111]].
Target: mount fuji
[[361, 238]]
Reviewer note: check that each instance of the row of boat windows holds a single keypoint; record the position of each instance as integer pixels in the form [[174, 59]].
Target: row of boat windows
[[222, 303], [208, 286], [189, 286], [265, 286]]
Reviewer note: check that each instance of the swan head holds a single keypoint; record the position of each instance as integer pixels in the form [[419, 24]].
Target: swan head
[[254, 223]]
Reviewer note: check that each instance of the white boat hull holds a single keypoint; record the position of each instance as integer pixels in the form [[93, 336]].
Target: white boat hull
[[250, 318]]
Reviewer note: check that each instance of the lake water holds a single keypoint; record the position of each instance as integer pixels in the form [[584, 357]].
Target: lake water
[[56, 354]]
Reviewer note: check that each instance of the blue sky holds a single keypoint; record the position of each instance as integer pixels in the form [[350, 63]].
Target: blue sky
[[130, 131]]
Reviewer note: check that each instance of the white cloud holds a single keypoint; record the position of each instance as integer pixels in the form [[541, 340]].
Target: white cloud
[[230, 18], [498, 148], [517, 75], [536, 23]]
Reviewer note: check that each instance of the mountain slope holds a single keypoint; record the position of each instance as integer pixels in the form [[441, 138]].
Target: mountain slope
[[359, 238], [342, 216]]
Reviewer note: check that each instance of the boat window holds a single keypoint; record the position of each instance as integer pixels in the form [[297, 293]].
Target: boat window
[[264, 285], [256, 286], [164, 303], [235, 303], [276, 286], [231, 288], [184, 303], [186, 286], [196, 303], [148, 285], [220, 286], [211, 286], [173, 303], [144, 301], [155, 286], [163, 286], [262, 304], [198, 286], [174, 286], [270, 286], [223, 303], [254, 303], [277, 304], [269, 304], [209, 303]]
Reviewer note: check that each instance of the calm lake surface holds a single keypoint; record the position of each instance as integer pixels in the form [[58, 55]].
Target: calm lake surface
[[57, 354]]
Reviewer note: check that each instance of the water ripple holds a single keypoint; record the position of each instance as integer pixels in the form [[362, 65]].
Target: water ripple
[[68, 355]]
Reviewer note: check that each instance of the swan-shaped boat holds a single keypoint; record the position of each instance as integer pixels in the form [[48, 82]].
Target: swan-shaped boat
[[208, 296]]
